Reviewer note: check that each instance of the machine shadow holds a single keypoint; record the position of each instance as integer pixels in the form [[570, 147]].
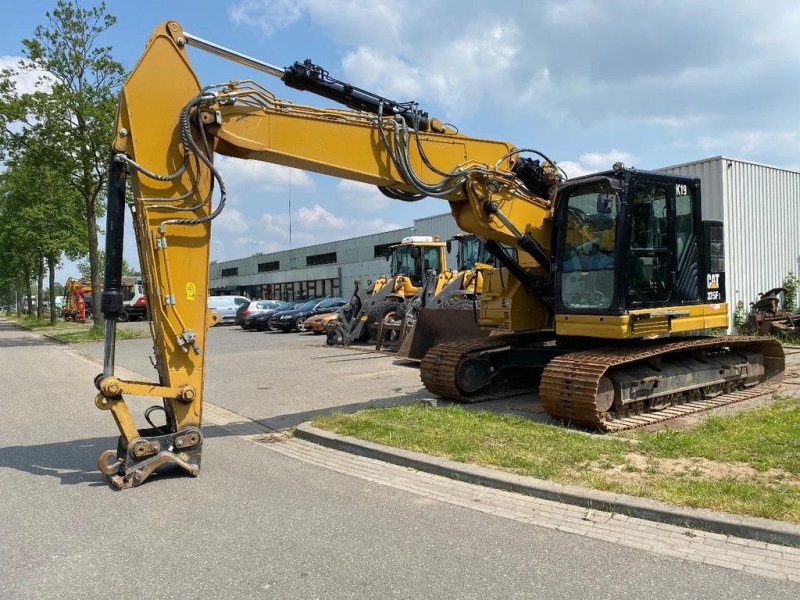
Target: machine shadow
[[289, 420], [73, 462]]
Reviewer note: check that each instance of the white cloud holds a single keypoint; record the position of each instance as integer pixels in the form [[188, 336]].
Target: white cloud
[[580, 63], [361, 196], [317, 217], [247, 246], [268, 15], [231, 220], [275, 225], [311, 225], [592, 162], [251, 177], [26, 81]]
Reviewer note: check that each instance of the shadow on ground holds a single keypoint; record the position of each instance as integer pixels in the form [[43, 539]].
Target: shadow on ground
[[20, 340]]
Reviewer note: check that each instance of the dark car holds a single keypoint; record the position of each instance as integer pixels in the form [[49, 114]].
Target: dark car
[[289, 320], [261, 320], [246, 312]]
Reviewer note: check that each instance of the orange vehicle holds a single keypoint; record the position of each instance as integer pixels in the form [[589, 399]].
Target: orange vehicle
[[75, 293], [316, 324]]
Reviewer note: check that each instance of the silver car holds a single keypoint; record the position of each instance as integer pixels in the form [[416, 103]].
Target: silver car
[[225, 306]]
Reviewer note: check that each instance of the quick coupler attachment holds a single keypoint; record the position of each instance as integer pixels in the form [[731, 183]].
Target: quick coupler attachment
[[129, 466]]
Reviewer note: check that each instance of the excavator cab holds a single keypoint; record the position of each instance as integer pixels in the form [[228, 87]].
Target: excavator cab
[[633, 248]]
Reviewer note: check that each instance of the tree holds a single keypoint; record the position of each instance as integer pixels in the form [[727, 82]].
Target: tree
[[41, 212], [74, 106], [127, 270]]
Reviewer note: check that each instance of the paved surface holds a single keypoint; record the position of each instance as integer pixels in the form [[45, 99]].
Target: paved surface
[[285, 519], [281, 379]]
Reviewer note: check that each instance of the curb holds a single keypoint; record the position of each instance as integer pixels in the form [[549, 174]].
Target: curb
[[754, 528]]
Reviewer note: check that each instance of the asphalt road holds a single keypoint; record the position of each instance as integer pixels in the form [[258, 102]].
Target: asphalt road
[[282, 379], [257, 523]]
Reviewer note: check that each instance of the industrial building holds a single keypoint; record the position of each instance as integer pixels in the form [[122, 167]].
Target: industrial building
[[760, 208], [759, 205], [328, 269]]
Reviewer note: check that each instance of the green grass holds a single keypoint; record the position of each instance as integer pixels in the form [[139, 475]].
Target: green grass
[[96, 334], [765, 439], [31, 322], [72, 333], [670, 466], [512, 443]]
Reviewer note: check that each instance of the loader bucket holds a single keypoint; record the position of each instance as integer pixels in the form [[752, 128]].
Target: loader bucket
[[438, 326]]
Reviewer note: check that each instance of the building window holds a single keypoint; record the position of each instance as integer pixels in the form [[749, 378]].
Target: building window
[[321, 259], [382, 250], [266, 267], [232, 272]]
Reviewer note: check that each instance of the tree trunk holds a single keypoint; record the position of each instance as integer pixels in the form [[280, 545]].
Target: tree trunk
[[94, 267], [29, 289], [18, 301], [51, 267], [40, 290]]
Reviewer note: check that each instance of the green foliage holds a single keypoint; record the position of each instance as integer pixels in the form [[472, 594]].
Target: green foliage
[[127, 270], [790, 295], [61, 131], [739, 316]]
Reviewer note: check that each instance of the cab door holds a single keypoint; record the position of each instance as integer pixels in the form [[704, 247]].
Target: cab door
[[663, 262]]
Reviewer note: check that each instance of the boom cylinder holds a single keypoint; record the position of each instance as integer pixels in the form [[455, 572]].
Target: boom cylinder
[[111, 302], [115, 231]]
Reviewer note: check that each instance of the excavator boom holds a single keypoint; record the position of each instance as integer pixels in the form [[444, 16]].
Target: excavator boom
[[168, 128]]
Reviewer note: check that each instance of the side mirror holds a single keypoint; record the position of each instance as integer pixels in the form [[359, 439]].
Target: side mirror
[[449, 246], [605, 203]]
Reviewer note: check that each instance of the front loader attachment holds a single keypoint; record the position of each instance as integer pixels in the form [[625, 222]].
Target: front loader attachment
[[435, 326], [352, 324]]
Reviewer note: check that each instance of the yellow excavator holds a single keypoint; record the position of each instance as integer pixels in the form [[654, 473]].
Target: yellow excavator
[[615, 282]]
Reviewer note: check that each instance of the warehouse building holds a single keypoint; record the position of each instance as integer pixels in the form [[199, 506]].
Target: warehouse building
[[328, 269], [759, 205], [760, 208]]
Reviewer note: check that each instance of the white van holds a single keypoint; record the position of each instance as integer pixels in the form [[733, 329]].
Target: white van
[[225, 306]]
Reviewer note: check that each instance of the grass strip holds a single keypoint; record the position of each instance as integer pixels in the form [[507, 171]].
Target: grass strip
[[748, 463], [97, 334]]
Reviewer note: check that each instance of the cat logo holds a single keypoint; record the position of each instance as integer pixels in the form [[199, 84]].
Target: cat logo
[[712, 281]]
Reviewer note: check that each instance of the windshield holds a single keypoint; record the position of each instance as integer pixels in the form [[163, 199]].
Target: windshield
[[405, 263], [469, 252], [587, 267], [308, 305]]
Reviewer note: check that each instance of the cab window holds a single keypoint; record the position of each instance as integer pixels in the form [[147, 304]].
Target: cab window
[[587, 266]]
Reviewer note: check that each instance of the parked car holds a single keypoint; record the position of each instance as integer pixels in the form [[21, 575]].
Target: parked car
[[316, 324], [246, 312], [294, 320], [225, 306], [261, 321]]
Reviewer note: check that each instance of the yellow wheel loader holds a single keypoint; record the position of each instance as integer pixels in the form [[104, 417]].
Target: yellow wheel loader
[[446, 309], [409, 261]]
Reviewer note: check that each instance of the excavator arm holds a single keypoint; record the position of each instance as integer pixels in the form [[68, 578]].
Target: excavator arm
[[168, 128]]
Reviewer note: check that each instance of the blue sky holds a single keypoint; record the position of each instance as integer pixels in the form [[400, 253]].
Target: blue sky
[[651, 83]]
